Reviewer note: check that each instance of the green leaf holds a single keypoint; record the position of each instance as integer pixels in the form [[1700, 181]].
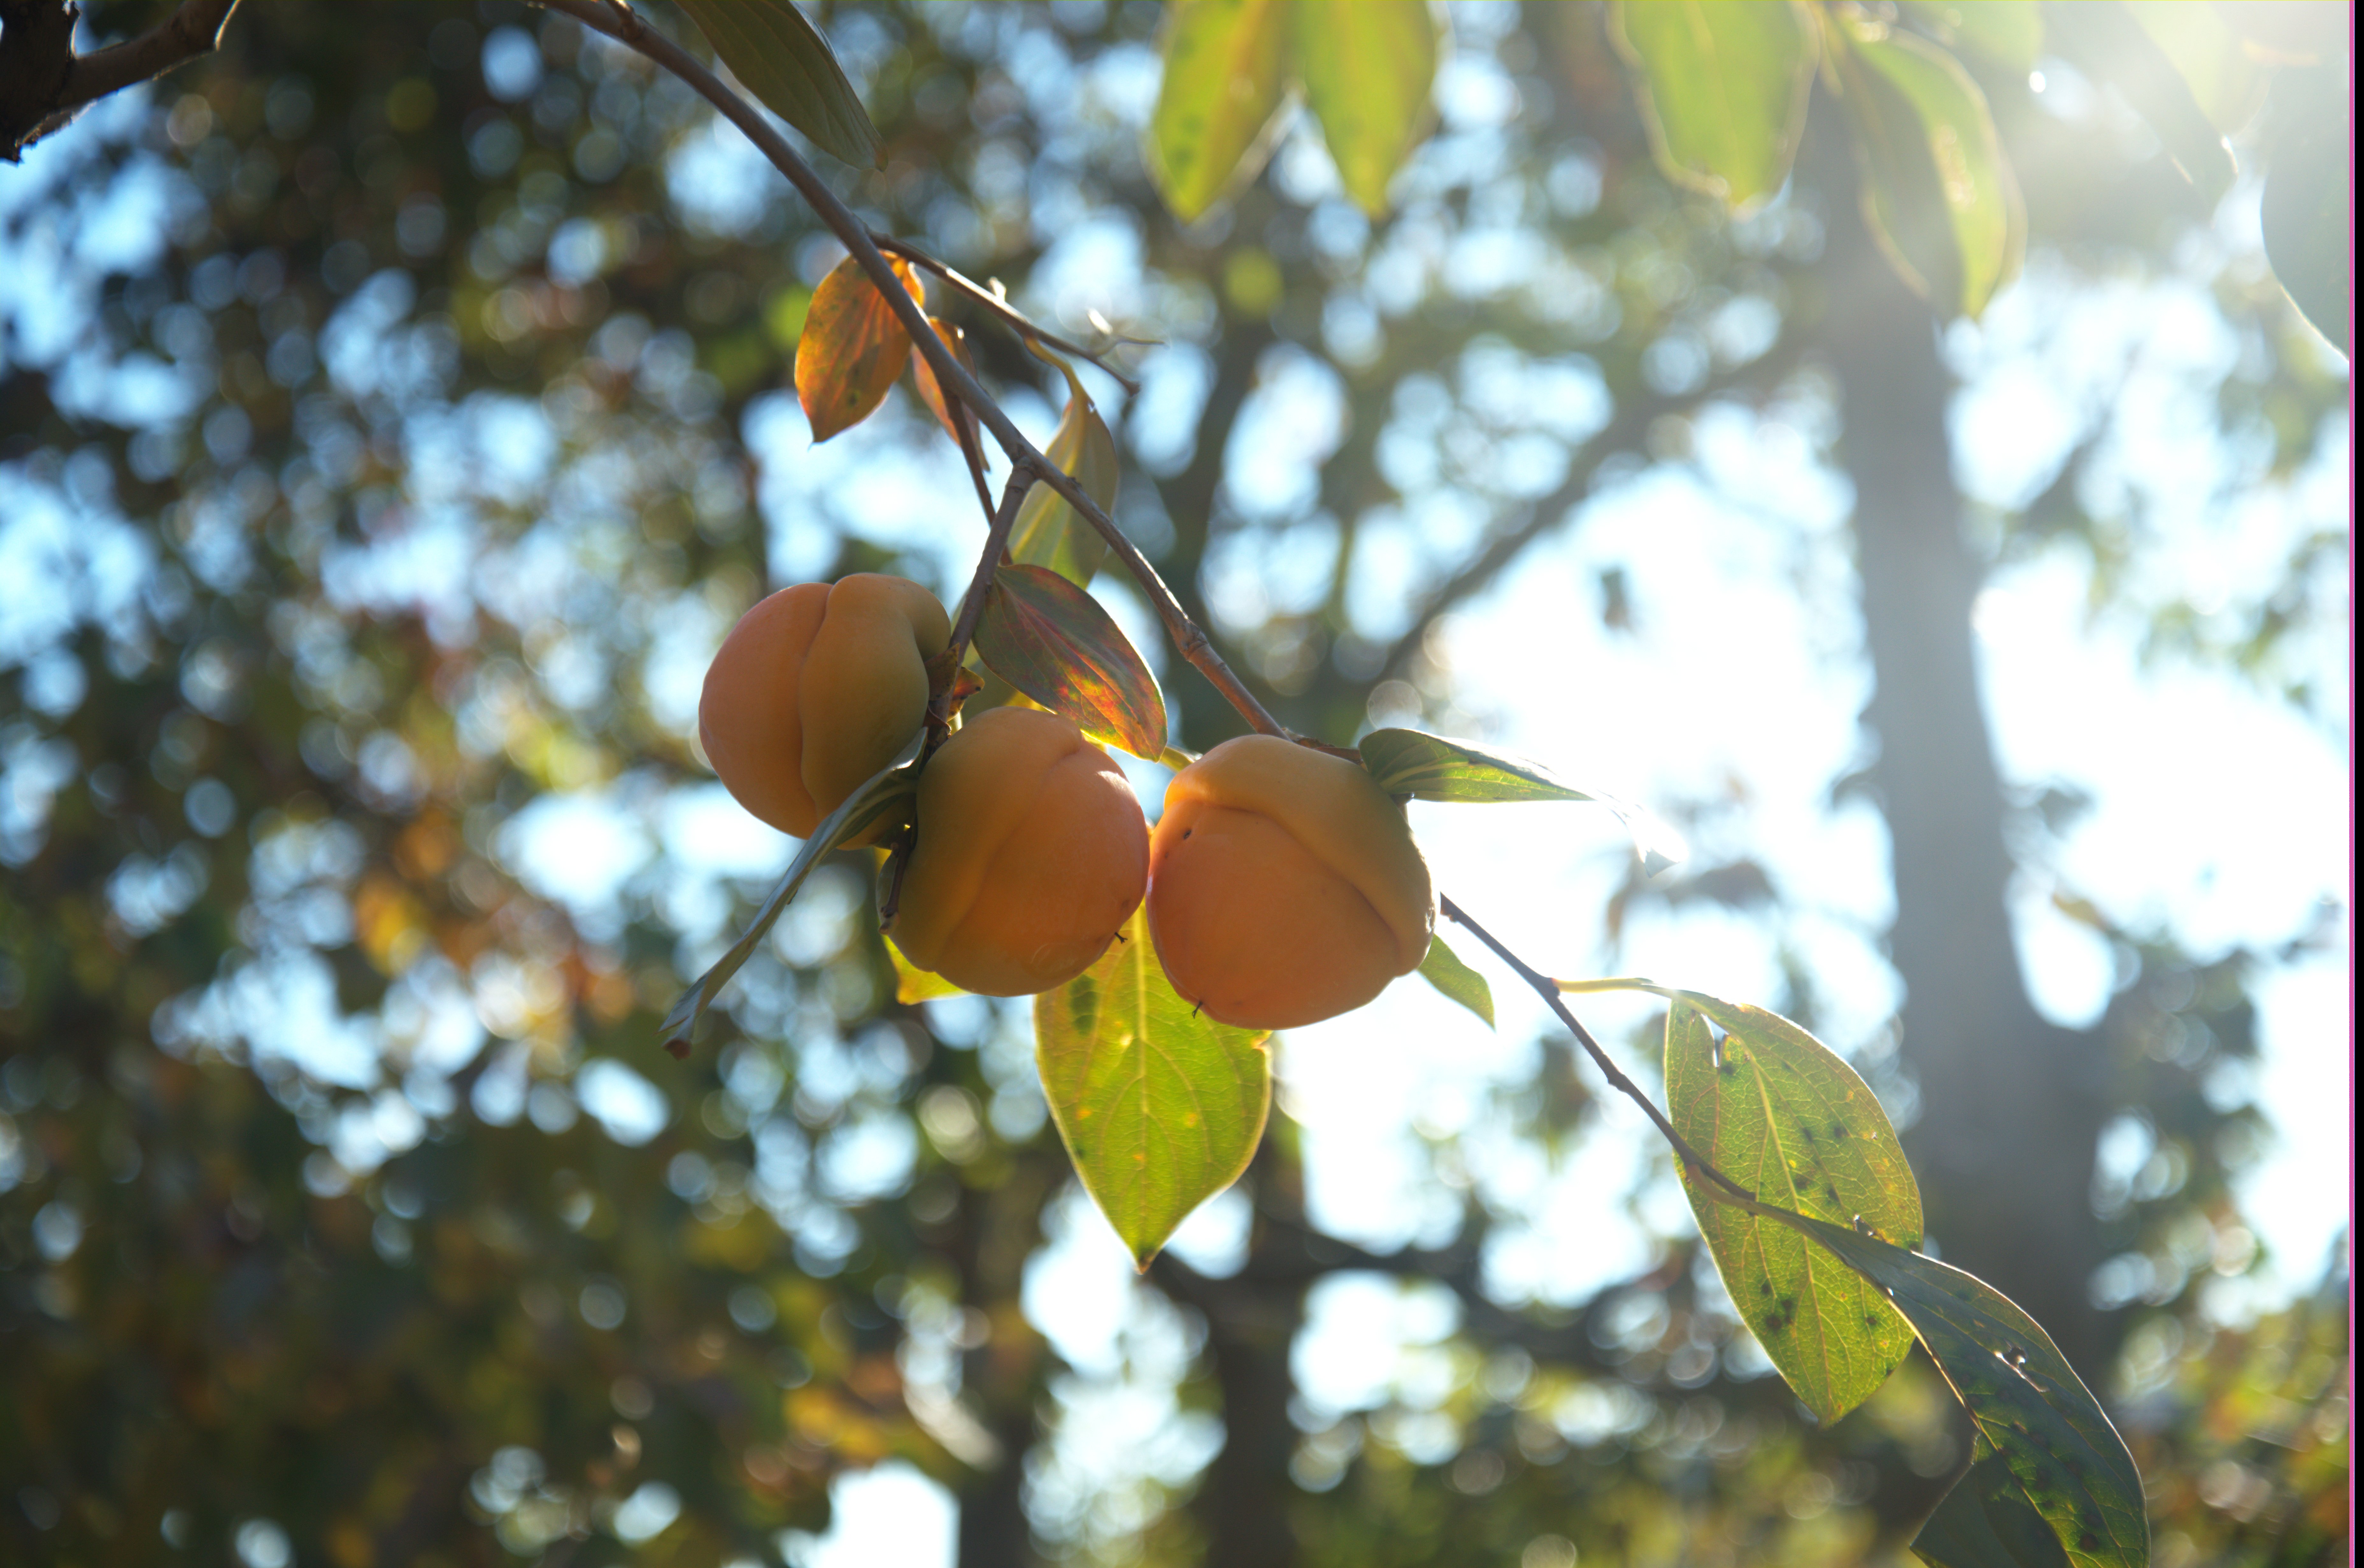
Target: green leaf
[[1723, 89], [1443, 968], [1367, 66], [1937, 192], [2304, 215], [1053, 641], [1048, 531], [2227, 81], [1219, 105], [2053, 1454], [781, 58], [851, 349], [2104, 39], [1986, 1522], [1770, 1107], [2008, 33], [1429, 767], [1159, 1106], [886, 793]]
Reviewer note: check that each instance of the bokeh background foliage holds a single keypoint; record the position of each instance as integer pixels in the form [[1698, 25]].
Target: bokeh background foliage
[[393, 416]]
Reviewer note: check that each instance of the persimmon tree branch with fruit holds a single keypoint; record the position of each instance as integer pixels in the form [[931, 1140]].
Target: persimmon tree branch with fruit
[[1281, 885]]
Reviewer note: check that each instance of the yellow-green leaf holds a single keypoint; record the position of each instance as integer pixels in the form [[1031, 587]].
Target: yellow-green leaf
[[1723, 88], [1430, 767], [1443, 968], [1367, 66], [2109, 42], [2009, 32], [851, 349], [783, 59], [1048, 531], [1160, 1107], [914, 985], [1937, 191], [1765, 1103], [2225, 80], [1053, 641], [2045, 1451], [1219, 105]]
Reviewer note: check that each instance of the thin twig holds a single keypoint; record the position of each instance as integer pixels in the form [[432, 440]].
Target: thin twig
[[1548, 989], [1192, 642], [1020, 322], [972, 607]]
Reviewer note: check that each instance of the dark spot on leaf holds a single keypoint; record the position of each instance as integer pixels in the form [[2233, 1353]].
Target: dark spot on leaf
[[1807, 1132], [1764, 1287], [1838, 1129]]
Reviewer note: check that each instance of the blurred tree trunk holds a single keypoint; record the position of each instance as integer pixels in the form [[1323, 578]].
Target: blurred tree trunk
[[2010, 1103]]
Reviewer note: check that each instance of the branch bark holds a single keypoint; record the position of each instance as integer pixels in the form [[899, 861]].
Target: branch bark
[[43, 83], [951, 375]]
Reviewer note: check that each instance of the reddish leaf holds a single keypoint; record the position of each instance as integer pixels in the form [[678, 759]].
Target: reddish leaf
[[851, 349], [958, 421], [1052, 641]]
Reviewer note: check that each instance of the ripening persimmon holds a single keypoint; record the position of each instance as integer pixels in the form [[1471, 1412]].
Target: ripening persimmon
[[815, 690], [1031, 855], [1284, 885]]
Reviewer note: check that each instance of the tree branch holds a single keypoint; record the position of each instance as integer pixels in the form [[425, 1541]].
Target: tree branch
[[43, 82], [1017, 320], [951, 375], [1544, 986], [1626, 429]]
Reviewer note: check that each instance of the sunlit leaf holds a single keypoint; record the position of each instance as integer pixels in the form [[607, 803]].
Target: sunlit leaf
[[886, 796], [1987, 1522], [1367, 66], [2304, 215], [1723, 88], [914, 985], [2054, 1452], [1049, 532], [1053, 642], [1443, 968], [1218, 102], [1160, 1107], [1937, 191], [1429, 767], [2226, 81], [954, 417], [852, 348], [785, 62], [2106, 41], [957, 419], [1765, 1104], [2008, 33]]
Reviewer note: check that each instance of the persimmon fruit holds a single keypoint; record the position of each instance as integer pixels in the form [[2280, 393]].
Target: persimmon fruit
[[1031, 855], [1284, 885], [815, 690]]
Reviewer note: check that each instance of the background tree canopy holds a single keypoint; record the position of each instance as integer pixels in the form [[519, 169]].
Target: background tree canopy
[[397, 407]]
